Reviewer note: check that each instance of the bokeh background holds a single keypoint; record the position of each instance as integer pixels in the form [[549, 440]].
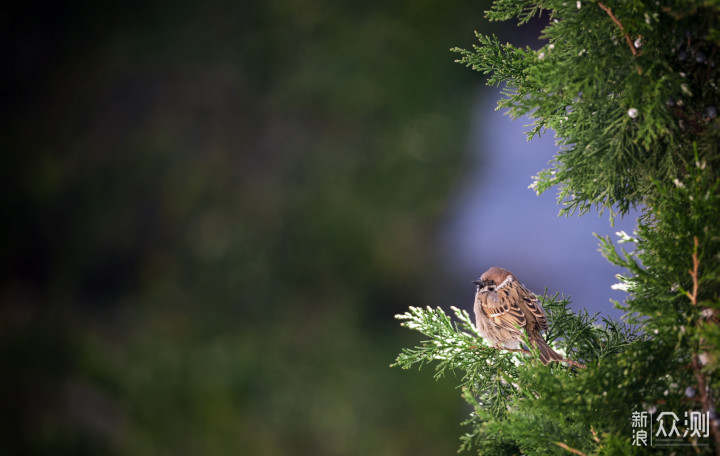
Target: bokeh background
[[214, 209]]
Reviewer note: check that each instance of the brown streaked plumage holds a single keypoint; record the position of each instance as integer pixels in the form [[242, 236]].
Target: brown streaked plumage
[[503, 305]]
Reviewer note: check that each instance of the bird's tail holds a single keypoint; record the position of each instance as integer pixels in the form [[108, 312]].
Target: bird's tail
[[547, 354]]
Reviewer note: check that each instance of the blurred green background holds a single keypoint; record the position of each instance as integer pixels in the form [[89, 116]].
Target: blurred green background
[[213, 211]]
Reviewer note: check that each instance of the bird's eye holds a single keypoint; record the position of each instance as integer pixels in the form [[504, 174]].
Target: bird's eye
[[491, 287]]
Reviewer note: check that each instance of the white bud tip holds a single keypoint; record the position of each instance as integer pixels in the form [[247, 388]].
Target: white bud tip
[[633, 113]]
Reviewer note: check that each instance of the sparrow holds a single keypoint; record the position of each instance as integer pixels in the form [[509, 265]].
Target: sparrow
[[503, 306]]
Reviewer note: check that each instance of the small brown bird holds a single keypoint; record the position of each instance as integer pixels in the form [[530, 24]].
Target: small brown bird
[[502, 304]]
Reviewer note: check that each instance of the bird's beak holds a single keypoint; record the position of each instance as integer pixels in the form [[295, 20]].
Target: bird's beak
[[479, 282]]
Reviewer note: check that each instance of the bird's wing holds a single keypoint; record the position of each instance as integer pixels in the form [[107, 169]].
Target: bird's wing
[[504, 312], [524, 297]]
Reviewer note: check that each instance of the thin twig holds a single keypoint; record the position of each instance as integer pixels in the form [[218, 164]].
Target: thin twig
[[573, 363], [572, 450], [520, 350], [619, 24], [703, 391], [528, 352], [706, 402], [694, 273], [516, 350]]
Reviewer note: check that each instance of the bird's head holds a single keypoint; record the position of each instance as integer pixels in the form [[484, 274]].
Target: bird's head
[[492, 278]]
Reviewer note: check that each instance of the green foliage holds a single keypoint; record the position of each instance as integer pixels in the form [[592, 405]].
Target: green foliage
[[631, 91], [683, 230], [515, 404], [456, 346], [663, 248], [624, 116]]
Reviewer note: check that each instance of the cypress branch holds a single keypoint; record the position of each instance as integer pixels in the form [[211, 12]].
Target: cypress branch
[[634, 131]]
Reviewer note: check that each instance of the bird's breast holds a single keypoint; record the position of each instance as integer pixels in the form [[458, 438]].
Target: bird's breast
[[487, 296]]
